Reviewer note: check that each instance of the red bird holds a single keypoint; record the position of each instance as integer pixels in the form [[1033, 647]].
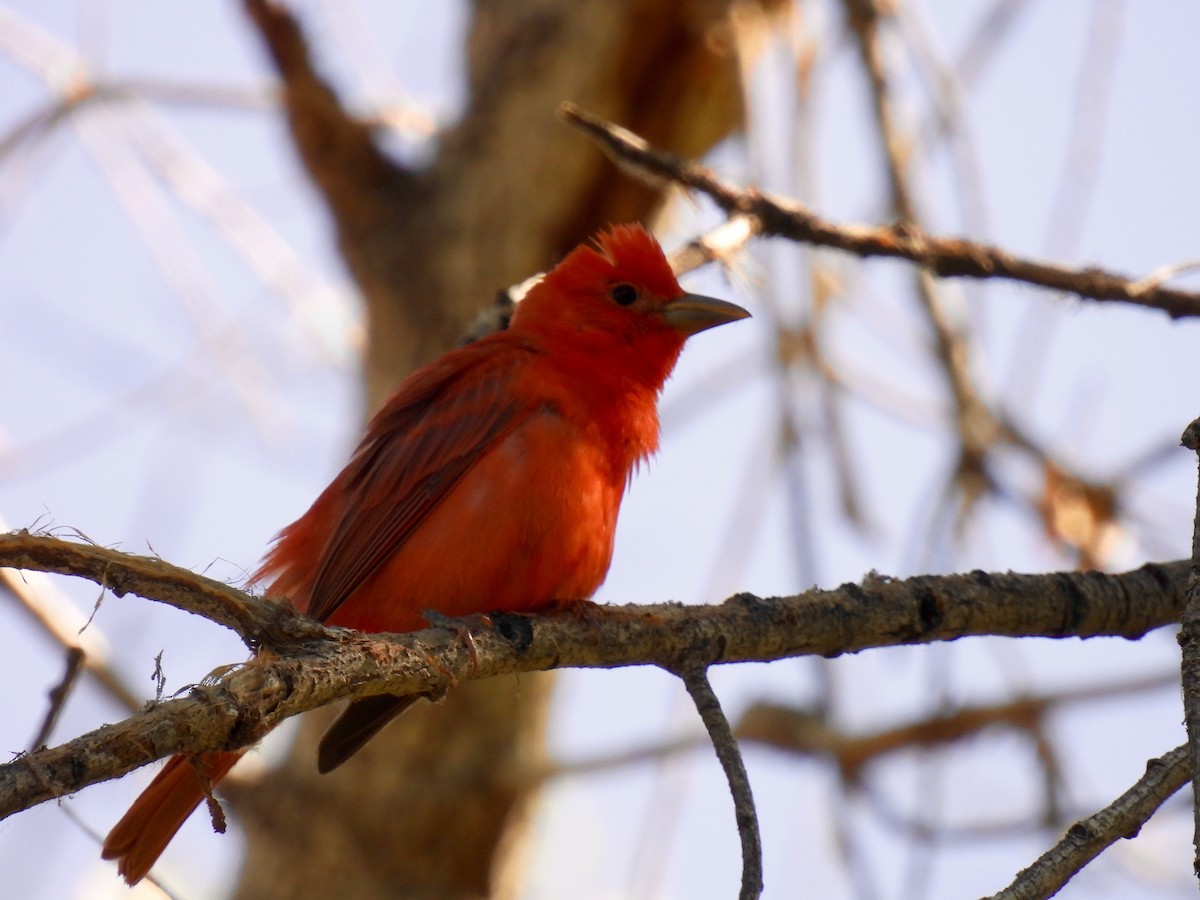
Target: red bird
[[489, 481]]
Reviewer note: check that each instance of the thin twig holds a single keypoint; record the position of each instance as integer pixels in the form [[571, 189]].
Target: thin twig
[[987, 39], [58, 696], [63, 623], [720, 244], [1087, 838], [695, 679], [1085, 145], [974, 422], [943, 256], [1166, 273]]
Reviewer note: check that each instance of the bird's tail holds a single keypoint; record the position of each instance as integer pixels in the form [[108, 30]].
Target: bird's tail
[[358, 723], [145, 830]]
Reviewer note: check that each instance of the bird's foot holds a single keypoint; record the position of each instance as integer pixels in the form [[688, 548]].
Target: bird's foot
[[437, 620]]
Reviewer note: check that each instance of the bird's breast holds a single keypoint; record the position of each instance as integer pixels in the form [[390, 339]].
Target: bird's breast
[[528, 527]]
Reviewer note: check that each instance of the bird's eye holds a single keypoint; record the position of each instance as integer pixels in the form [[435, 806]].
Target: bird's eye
[[624, 294]]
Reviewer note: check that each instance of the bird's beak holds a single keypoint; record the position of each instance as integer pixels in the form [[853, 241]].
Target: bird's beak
[[692, 313]]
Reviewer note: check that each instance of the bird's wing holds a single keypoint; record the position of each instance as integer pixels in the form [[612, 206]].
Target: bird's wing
[[416, 449]]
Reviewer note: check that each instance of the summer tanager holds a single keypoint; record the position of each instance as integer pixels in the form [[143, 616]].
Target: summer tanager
[[489, 481]]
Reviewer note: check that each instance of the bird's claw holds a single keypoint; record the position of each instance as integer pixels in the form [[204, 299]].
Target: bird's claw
[[436, 619]]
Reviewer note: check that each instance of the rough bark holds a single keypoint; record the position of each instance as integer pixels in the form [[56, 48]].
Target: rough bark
[[302, 666]]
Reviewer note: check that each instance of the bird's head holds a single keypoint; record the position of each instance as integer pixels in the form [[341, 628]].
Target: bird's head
[[620, 299]]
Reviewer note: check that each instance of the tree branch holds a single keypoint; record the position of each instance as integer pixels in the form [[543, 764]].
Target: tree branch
[[58, 618], [1088, 838], [695, 679], [803, 732], [58, 696], [947, 257], [256, 621], [976, 424], [308, 666], [1189, 643]]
